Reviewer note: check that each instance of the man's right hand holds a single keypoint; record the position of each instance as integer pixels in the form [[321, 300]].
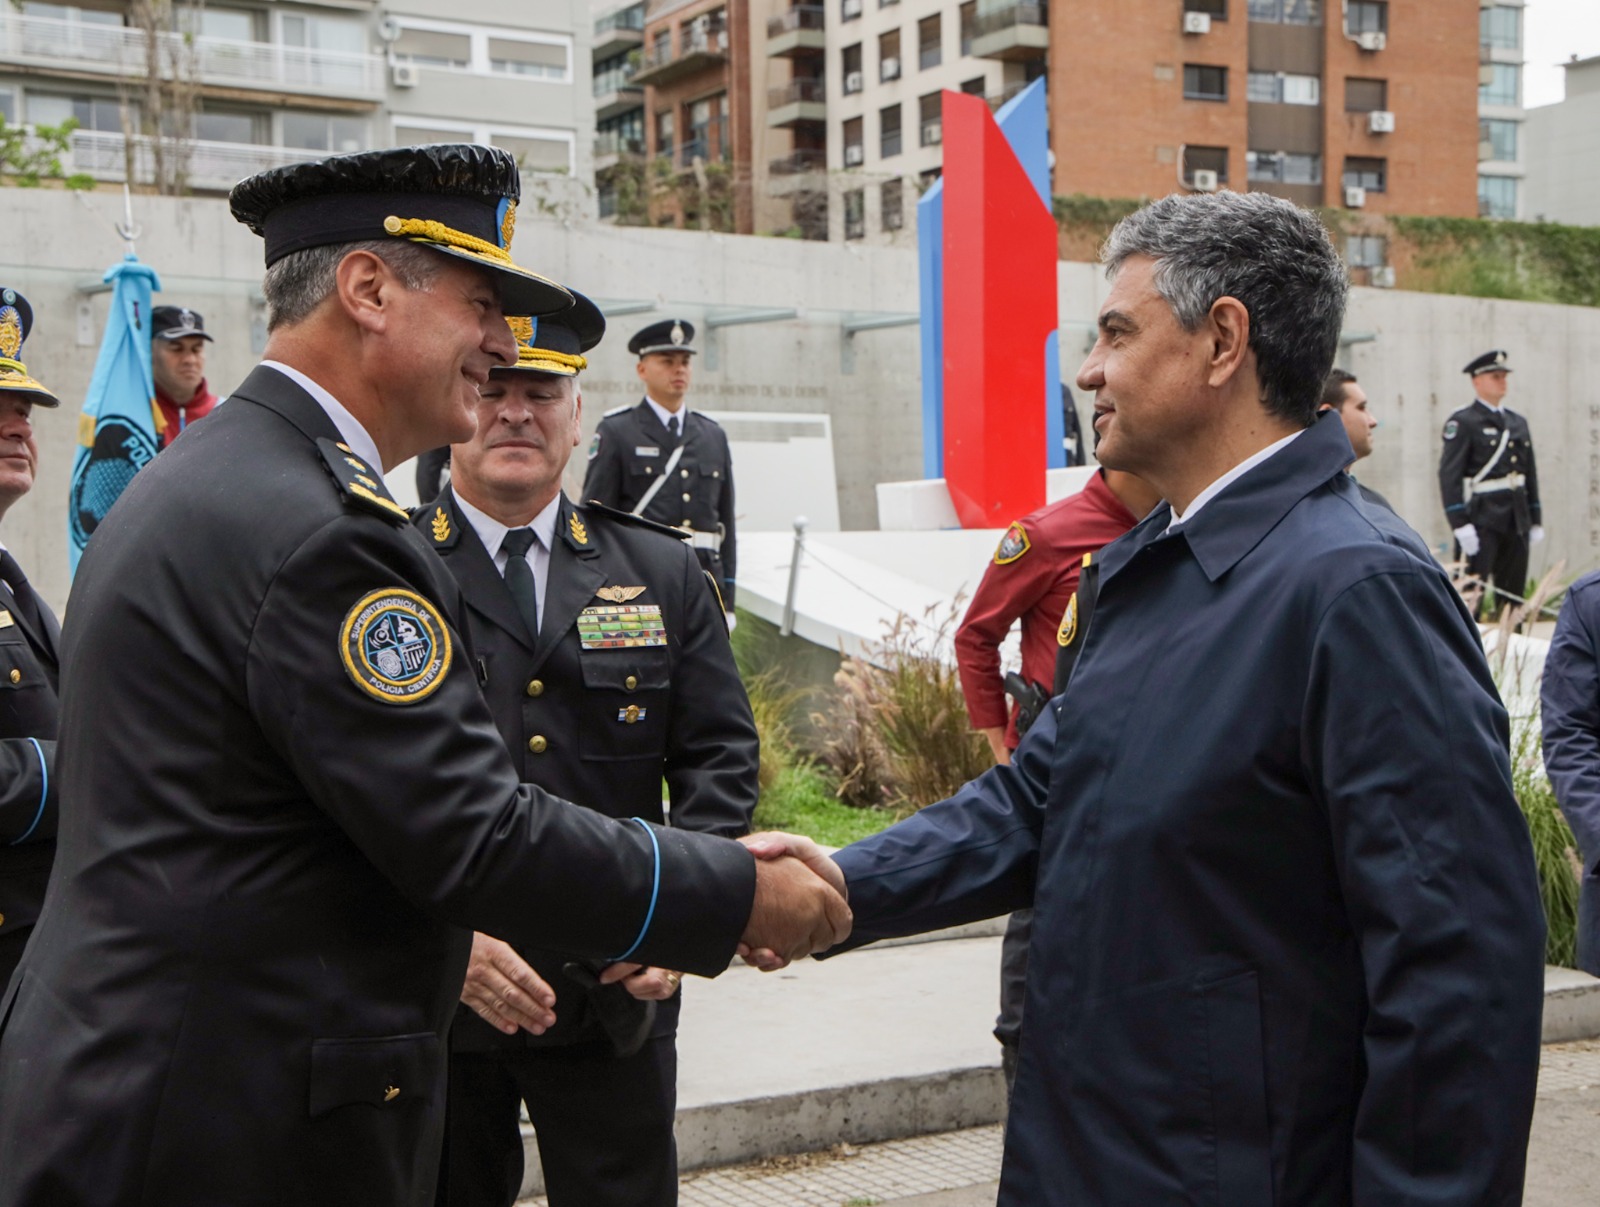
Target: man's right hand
[[1467, 538], [505, 990], [796, 911]]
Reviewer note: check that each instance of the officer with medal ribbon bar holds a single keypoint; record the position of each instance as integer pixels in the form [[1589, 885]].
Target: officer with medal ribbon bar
[[601, 650], [259, 922]]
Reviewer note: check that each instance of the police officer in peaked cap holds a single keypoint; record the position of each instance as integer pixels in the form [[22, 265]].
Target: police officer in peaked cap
[[666, 462], [1490, 485]]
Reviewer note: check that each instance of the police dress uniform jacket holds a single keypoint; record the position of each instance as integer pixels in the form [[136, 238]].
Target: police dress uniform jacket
[[1570, 713], [1472, 435], [285, 805], [29, 675], [1288, 945], [630, 452], [1032, 575], [603, 725]]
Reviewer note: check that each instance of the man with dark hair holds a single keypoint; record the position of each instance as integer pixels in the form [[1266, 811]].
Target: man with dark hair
[[1288, 944], [259, 921], [178, 342], [1342, 393]]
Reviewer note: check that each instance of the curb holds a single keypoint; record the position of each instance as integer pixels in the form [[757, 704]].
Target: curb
[[1571, 1006]]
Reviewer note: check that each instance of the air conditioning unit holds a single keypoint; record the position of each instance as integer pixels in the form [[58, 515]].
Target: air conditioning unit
[[1354, 196], [1372, 40], [1382, 276], [854, 153], [404, 75], [852, 82], [1205, 180], [889, 69], [933, 134], [1196, 23], [851, 9], [1380, 121]]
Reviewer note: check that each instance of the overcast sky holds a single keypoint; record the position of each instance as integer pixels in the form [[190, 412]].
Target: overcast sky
[[1555, 30]]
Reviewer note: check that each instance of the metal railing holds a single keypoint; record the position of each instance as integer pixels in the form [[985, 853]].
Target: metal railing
[[695, 41], [118, 50], [797, 92], [630, 18], [211, 165], [798, 162], [1009, 17], [699, 147], [611, 143], [617, 79], [801, 16]]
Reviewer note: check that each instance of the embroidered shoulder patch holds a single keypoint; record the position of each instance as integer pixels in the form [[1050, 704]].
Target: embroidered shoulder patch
[[1012, 546], [1069, 623], [395, 646], [594, 447], [1450, 430]]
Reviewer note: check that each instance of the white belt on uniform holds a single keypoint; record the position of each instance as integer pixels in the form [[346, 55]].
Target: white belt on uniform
[[705, 540], [1509, 482]]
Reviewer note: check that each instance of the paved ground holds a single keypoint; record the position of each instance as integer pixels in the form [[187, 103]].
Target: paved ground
[[959, 1169]]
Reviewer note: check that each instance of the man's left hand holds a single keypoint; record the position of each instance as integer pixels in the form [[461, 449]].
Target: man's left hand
[[505, 990], [646, 984], [1535, 534]]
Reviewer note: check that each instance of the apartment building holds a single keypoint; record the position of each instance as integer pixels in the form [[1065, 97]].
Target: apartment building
[[273, 83], [1562, 152], [617, 51], [1502, 158]]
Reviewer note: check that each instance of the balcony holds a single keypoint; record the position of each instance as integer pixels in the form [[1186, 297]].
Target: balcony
[[618, 31], [698, 148], [797, 101], [616, 92], [797, 30], [211, 166], [610, 146], [112, 51], [1016, 33], [697, 50], [796, 172]]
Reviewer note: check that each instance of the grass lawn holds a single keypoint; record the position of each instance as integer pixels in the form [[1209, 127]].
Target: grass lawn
[[801, 803]]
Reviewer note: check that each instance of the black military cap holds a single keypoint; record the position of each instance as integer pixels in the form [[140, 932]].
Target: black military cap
[[16, 321], [669, 335], [555, 343], [1489, 362], [176, 322], [460, 199]]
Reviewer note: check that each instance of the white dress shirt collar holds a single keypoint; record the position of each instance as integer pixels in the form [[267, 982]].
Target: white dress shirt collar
[[1233, 475], [666, 416], [491, 532], [350, 429]]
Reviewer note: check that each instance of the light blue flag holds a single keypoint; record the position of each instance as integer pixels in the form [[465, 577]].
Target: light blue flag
[[117, 430]]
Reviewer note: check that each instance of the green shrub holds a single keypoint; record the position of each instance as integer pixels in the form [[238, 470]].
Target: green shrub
[[803, 802]]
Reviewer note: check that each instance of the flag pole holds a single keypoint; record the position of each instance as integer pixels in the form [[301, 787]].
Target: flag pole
[[127, 228]]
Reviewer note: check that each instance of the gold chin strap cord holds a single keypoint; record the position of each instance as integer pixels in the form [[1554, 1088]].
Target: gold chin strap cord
[[437, 232], [538, 358]]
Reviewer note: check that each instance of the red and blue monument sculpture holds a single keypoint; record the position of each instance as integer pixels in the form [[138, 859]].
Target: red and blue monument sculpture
[[991, 390]]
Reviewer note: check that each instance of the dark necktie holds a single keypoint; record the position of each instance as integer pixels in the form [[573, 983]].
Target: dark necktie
[[21, 591], [672, 428], [519, 576]]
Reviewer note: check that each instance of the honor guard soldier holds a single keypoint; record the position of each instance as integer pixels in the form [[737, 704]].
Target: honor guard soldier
[[665, 462], [240, 988], [602, 654], [29, 665], [1489, 484]]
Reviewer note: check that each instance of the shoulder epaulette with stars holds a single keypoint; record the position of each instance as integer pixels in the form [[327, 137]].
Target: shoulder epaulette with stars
[[593, 507], [361, 485]]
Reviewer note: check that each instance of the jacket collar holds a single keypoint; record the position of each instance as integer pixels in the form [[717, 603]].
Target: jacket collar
[[575, 575], [273, 390], [482, 586], [1232, 524]]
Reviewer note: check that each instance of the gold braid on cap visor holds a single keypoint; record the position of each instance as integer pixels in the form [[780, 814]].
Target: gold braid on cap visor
[[438, 232], [538, 358]]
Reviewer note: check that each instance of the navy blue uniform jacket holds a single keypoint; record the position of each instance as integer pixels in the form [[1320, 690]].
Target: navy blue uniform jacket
[[1570, 708], [1287, 944]]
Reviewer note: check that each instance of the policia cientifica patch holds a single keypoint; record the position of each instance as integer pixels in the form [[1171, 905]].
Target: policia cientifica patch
[[395, 646]]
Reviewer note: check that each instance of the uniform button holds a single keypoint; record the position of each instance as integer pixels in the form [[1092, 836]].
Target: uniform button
[[390, 1094], [2, 919], [716, 473], [685, 496], [647, 469], [683, 473], [536, 687], [631, 682], [16, 676], [537, 744]]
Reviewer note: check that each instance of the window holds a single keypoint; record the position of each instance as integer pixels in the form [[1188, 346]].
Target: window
[[1501, 137], [666, 126], [1365, 96], [887, 3], [1205, 159], [92, 112], [325, 33], [928, 48], [1202, 83], [431, 48], [514, 56], [850, 68], [975, 86], [1287, 12], [929, 114], [1500, 28], [1366, 251], [1367, 17], [927, 177], [535, 154], [1284, 167], [213, 21], [968, 15], [889, 131], [322, 132], [854, 142], [892, 214], [849, 10], [622, 135], [8, 105], [1504, 88], [1275, 87], [855, 214], [71, 12], [614, 74], [889, 55], [1216, 9], [1497, 197], [231, 126], [1366, 173]]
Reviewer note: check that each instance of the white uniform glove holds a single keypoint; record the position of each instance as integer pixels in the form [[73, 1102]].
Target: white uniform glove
[[1467, 538], [733, 621], [1535, 534]]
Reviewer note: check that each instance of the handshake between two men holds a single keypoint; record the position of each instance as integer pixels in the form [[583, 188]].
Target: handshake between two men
[[800, 908]]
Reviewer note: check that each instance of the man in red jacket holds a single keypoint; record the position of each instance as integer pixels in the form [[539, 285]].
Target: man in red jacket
[[178, 342], [1034, 576]]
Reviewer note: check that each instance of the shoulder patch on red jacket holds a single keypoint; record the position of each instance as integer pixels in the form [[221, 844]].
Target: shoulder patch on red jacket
[[1012, 546]]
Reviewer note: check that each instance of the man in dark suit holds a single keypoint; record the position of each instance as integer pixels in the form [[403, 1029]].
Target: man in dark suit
[[666, 462], [603, 657], [28, 663], [1287, 945], [259, 921]]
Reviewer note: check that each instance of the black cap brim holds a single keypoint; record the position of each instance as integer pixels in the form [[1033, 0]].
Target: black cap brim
[[184, 333], [521, 291]]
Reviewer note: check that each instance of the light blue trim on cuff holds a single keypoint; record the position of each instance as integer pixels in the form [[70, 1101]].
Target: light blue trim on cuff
[[655, 891], [44, 795]]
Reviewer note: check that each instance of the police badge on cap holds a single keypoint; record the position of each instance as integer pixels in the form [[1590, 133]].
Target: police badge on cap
[[669, 335], [1489, 362], [16, 321], [177, 322]]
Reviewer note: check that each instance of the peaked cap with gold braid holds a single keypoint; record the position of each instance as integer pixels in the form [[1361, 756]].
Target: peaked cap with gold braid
[[554, 344], [16, 321]]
